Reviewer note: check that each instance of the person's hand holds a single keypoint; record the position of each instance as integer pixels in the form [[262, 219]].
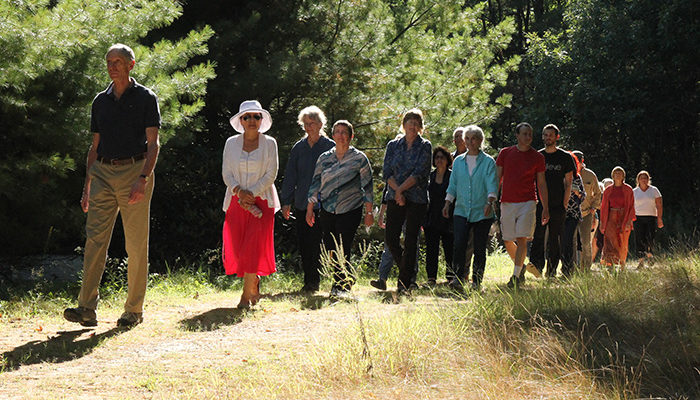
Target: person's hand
[[400, 199], [369, 219], [246, 197], [446, 210], [487, 209], [138, 191], [545, 216], [285, 211], [310, 217], [85, 198], [659, 222], [628, 226]]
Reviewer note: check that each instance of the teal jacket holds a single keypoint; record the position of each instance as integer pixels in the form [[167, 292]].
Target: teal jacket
[[471, 191]]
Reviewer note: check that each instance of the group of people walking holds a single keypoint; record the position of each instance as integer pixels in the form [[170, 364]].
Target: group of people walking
[[546, 198]]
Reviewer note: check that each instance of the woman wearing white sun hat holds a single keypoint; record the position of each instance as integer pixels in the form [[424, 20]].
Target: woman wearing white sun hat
[[249, 169]]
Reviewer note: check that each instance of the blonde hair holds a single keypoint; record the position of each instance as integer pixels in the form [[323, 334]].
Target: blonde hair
[[618, 168], [643, 172]]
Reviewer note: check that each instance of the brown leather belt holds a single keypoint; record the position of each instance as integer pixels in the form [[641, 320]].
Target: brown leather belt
[[121, 161]]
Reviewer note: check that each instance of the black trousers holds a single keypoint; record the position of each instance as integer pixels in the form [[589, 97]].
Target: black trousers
[[553, 231], [645, 231], [309, 243], [342, 228], [471, 232], [404, 256], [433, 236], [568, 244]]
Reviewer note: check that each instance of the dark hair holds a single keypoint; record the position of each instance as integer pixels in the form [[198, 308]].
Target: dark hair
[[443, 150], [552, 127], [522, 125], [346, 124]]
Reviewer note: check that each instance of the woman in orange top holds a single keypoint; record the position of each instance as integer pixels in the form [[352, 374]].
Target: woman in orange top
[[616, 216]]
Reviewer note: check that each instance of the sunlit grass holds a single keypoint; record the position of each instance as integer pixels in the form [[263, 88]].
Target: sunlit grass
[[607, 335]]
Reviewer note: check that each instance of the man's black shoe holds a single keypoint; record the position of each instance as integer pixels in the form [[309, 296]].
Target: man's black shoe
[[83, 316], [378, 284]]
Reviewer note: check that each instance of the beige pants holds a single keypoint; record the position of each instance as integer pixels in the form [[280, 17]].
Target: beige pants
[[109, 194]]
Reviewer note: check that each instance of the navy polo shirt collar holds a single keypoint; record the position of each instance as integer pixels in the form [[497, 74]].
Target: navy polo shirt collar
[[110, 88]]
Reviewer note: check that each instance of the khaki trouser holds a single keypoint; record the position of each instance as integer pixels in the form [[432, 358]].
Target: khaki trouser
[[109, 194], [585, 230]]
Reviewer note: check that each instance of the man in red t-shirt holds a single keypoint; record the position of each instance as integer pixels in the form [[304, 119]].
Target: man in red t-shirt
[[518, 168]]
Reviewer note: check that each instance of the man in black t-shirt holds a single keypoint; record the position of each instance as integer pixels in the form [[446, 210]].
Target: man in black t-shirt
[[124, 123], [558, 175]]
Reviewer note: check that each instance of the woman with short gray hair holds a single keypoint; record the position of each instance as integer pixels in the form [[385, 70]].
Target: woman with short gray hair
[[295, 188]]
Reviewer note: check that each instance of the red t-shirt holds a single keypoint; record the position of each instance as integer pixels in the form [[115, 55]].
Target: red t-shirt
[[520, 170]]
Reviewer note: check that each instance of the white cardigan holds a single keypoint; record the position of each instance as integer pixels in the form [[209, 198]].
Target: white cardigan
[[264, 186]]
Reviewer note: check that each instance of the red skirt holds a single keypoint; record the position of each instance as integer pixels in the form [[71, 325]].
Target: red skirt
[[249, 245], [616, 239]]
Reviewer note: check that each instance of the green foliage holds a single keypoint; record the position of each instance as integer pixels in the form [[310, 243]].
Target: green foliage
[[620, 78], [365, 61], [51, 69]]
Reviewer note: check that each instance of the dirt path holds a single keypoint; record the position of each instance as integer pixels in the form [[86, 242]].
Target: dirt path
[[57, 359]]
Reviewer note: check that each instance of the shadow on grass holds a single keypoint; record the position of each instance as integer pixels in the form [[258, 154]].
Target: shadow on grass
[[57, 349], [646, 335], [214, 319]]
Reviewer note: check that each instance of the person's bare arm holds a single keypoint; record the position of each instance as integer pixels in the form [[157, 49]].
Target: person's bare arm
[[544, 196], [568, 179], [659, 212]]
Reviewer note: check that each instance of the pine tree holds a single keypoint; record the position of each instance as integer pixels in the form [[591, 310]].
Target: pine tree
[[51, 68]]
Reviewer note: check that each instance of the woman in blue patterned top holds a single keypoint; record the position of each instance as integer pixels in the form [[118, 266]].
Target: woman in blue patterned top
[[406, 170], [343, 182]]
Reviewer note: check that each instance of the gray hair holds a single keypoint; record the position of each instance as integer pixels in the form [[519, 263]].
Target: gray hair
[[312, 112], [475, 130], [123, 50]]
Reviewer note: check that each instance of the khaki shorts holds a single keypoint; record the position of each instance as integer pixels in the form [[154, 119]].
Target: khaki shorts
[[518, 220]]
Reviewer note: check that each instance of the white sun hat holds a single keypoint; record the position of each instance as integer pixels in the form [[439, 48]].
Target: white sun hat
[[251, 106]]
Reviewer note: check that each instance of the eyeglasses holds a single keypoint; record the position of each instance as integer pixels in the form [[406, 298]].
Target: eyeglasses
[[246, 117], [440, 156]]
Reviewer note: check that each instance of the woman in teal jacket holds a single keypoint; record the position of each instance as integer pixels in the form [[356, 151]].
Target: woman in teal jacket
[[473, 189]]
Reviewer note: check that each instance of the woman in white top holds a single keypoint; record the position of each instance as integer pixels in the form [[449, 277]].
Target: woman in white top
[[649, 209], [249, 169]]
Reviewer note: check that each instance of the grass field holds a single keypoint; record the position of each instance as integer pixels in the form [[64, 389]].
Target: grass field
[[620, 335]]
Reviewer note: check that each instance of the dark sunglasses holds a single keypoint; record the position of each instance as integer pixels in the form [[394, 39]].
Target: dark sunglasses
[[257, 117]]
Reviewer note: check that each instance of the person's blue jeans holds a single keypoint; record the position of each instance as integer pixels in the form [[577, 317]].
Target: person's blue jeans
[[385, 264], [479, 231]]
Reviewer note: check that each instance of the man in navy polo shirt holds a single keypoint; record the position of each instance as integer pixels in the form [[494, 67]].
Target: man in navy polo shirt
[[124, 123]]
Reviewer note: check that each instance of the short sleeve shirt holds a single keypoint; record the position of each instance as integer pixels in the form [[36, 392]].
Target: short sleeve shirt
[[122, 122], [520, 170], [557, 165], [645, 201]]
